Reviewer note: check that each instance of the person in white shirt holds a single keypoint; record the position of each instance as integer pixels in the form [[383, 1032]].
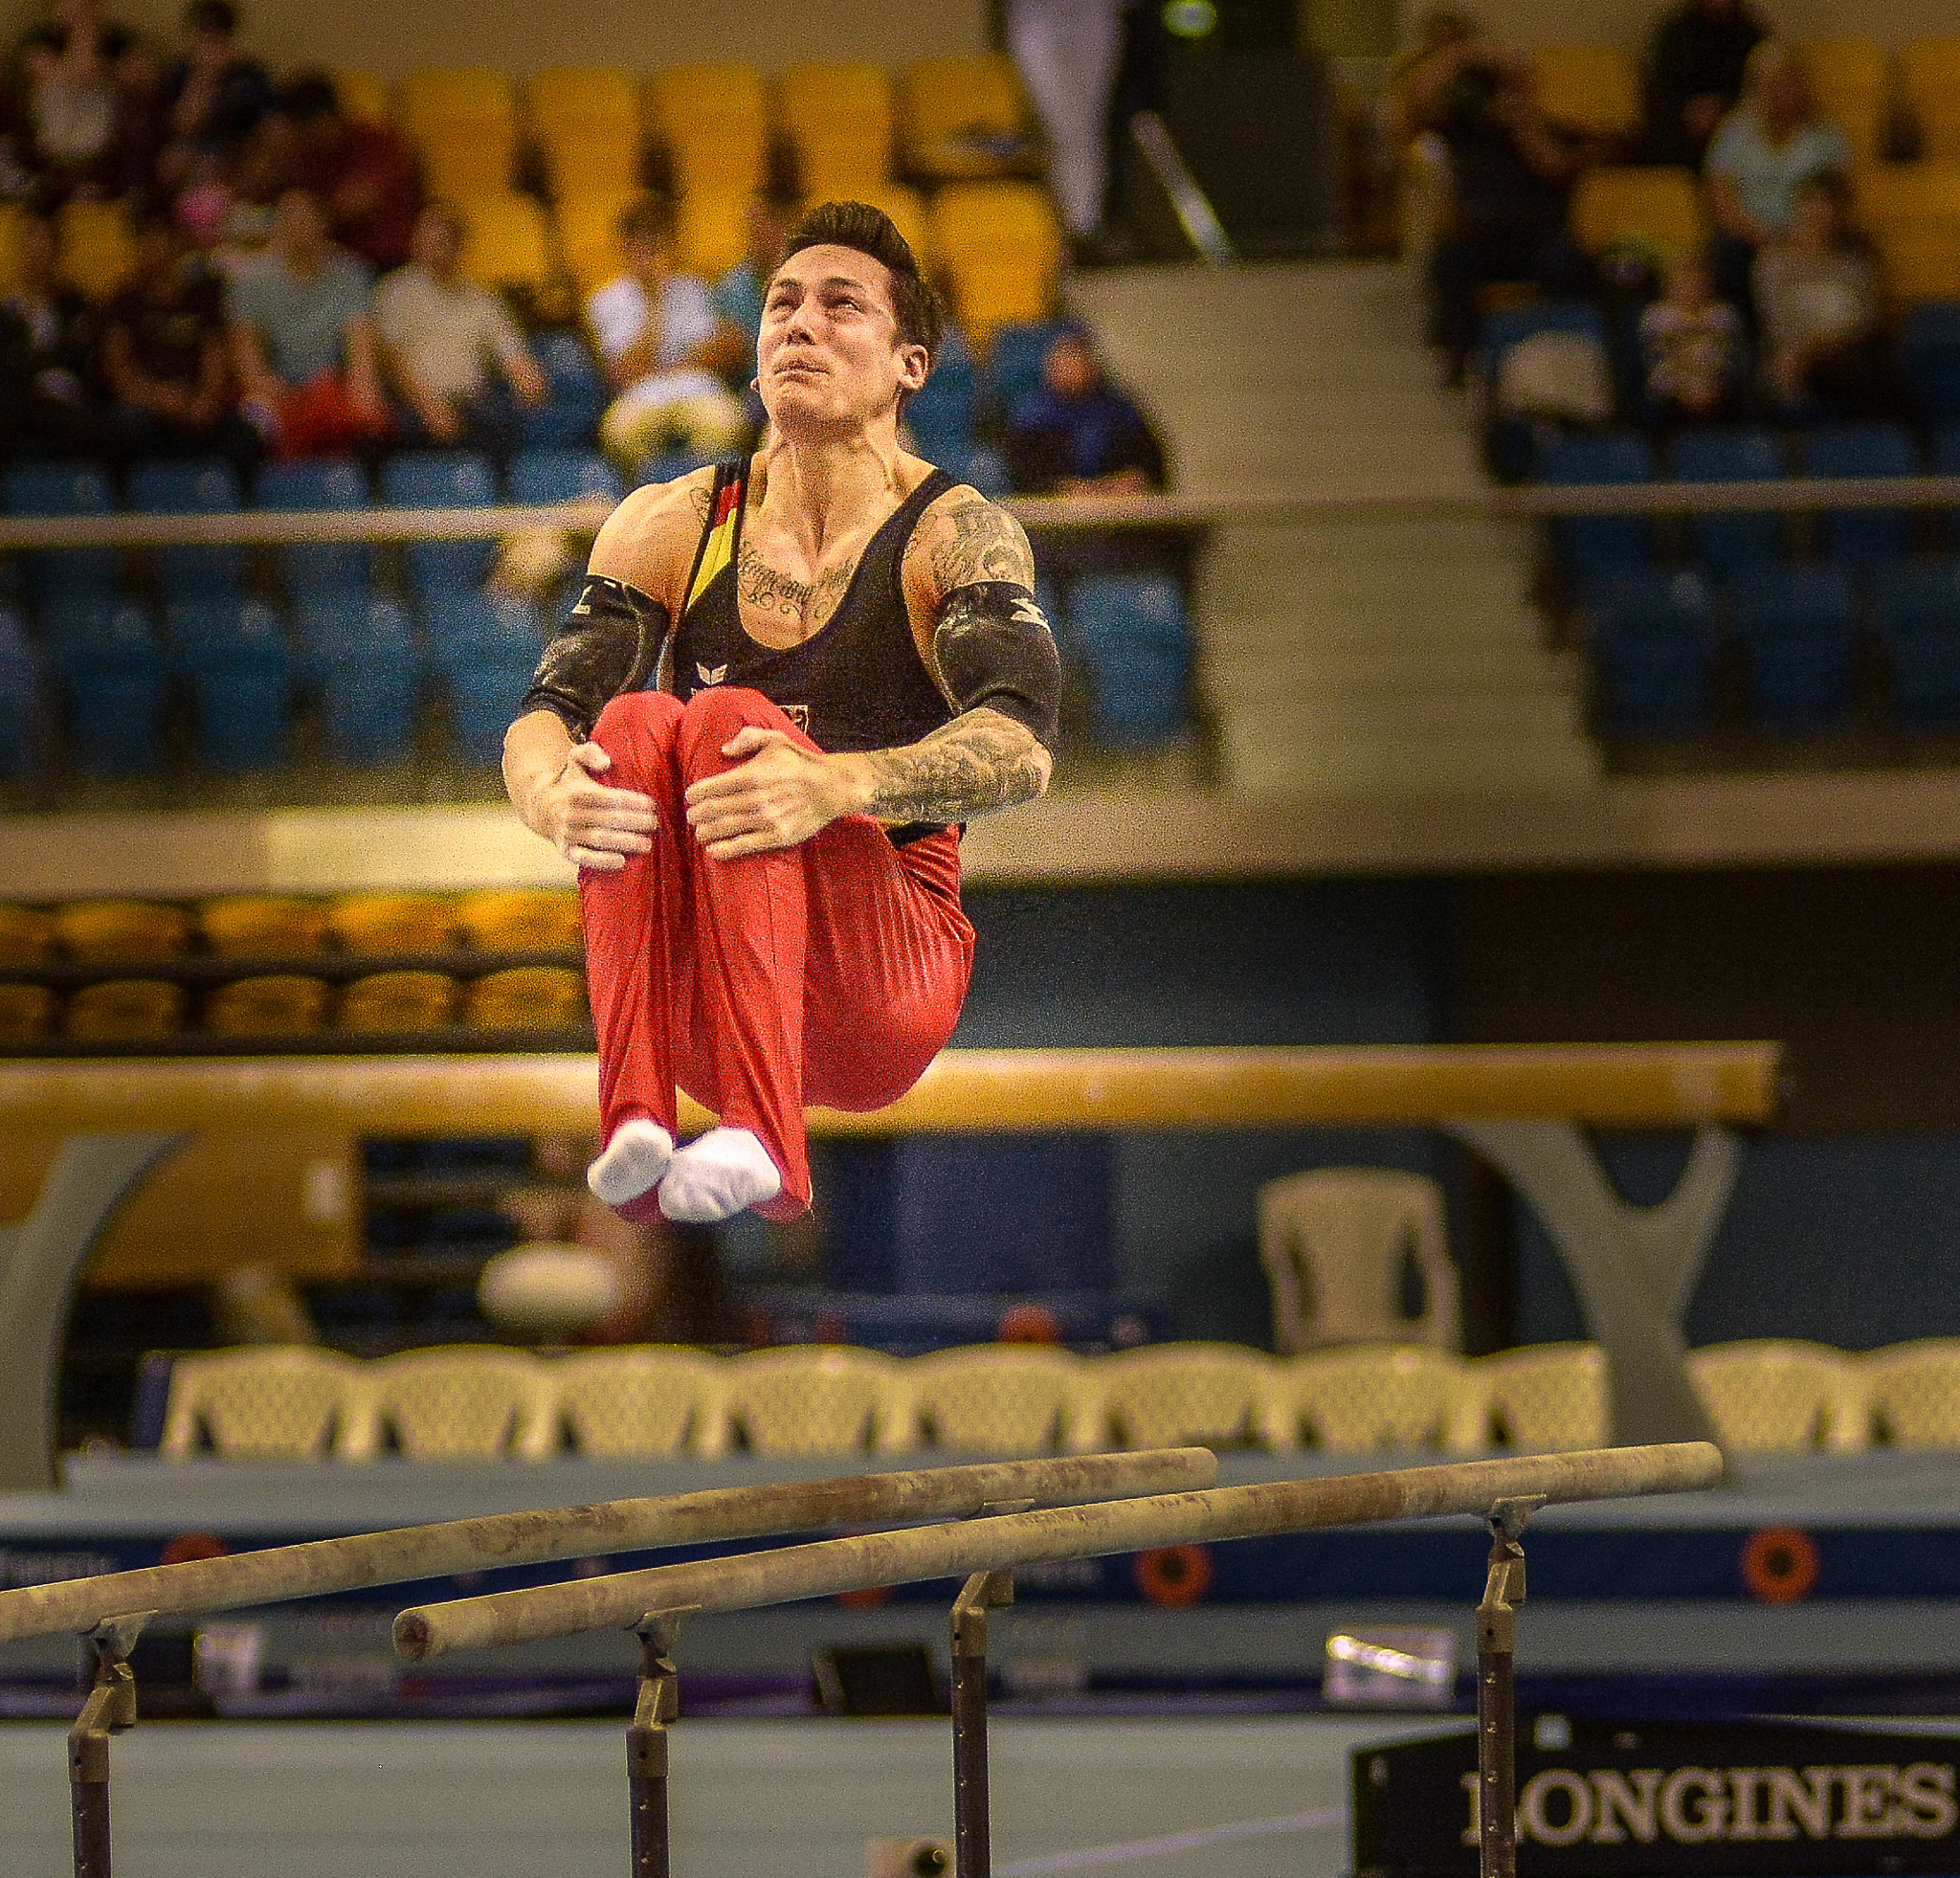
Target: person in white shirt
[[665, 349], [454, 356]]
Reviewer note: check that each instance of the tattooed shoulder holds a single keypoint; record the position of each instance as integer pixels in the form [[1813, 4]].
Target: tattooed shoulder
[[972, 539]]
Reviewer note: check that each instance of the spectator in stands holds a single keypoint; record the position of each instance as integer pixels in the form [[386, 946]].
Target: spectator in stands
[[1511, 174], [1769, 149], [665, 351], [303, 338], [365, 175], [1695, 64], [739, 293], [214, 97], [456, 357], [79, 104], [48, 339], [1077, 433], [1693, 348], [165, 356], [1824, 349]]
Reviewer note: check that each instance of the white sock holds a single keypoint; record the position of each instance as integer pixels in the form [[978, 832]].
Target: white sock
[[634, 1162], [716, 1175]]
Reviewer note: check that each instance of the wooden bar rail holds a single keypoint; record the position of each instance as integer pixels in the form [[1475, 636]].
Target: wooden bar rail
[[1614, 1084], [872, 1561], [317, 1567], [268, 527]]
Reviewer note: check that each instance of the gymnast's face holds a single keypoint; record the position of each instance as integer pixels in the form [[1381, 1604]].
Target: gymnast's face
[[829, 359]]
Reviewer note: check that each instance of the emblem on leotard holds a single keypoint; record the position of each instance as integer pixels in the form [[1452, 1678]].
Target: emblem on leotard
[[711, 674]]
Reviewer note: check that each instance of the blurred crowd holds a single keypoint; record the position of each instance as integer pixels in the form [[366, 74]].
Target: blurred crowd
[[1779, 313]]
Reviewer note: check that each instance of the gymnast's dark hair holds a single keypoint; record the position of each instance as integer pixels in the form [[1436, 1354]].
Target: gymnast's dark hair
[[915, 306]]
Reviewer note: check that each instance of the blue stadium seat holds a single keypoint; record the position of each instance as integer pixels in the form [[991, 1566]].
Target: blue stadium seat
[[941, 414], [328, 484], [562, 476], [1857, 537], [667, 467], [1135, 640], [1947, 450], [1593, 548], [21, 724], [1013, 360], [57, 574], [205, 486], [242, 680], [485, 648], [1916, 611], [570, 415], [442, 479], [110, 673], [1798, 628], [1654, 642], [360, 659], [1730, 547], [1929, 355]]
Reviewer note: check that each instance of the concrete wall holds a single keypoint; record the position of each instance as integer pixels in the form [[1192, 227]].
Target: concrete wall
[[519, 37]]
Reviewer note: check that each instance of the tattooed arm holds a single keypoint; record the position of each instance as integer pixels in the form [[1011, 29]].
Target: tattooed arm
[[965, 566]]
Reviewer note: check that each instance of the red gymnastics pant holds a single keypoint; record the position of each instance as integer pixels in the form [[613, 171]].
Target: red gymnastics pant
[[831, 973]]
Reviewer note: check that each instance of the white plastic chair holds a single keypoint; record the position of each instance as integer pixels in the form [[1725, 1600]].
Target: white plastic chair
[[1912, 1391], [815, 1398], [278, 1402], [1539, 1398], [1771, 1396], [1168, 1395], [462, 1402], [649, 1399], [997, 1399], [1371, 1396], [1335, 1242]]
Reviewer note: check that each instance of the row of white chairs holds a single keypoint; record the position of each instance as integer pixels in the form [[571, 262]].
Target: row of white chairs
[[484, 1403]]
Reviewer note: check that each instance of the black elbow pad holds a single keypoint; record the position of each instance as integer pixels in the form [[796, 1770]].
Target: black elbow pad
[[608, 644], [995, 652]]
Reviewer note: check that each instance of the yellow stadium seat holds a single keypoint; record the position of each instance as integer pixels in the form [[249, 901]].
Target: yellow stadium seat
[[1920, 263], [998, 246], [589, 237], [100, 929], [697, 96], [1539, 1398], [462, 1402], [1362, 1398], [526, 998], [715, 161], [907, 209], [464, 124], [97, 253], [126, 1010], [521, 919], [362, 95], [585, 124], [963, 117], [507, 243], [1658, 209], [1929, 75], [1913, 213], [280, 1004], [710, 233], [1167, 1395], [1591, 89], [651, 1398], [812, 1399], [838, 122], [1772, 1395], [27, 1013], [283, 1403], [1913, 1392], [263, 925], [399, 1001], [11, 216], [27, 935], [399, 923], [999, 1398], [1852, 84]]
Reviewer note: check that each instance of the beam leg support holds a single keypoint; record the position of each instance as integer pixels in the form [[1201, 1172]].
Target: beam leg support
[[109, 1709], [646, 1741], [1497, 1715], [972, 1825], [1633, 1267]]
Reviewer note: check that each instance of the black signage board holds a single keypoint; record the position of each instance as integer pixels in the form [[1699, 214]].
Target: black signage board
[[1649, 1800]]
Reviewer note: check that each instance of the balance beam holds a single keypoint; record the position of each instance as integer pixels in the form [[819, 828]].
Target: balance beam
[[319, 1567], [872, 1561], [964, 1091]]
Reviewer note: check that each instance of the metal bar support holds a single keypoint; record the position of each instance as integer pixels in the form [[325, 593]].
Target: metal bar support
[[646, 1740], [972, 1833], [1497, 1717], [109, 1709]]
